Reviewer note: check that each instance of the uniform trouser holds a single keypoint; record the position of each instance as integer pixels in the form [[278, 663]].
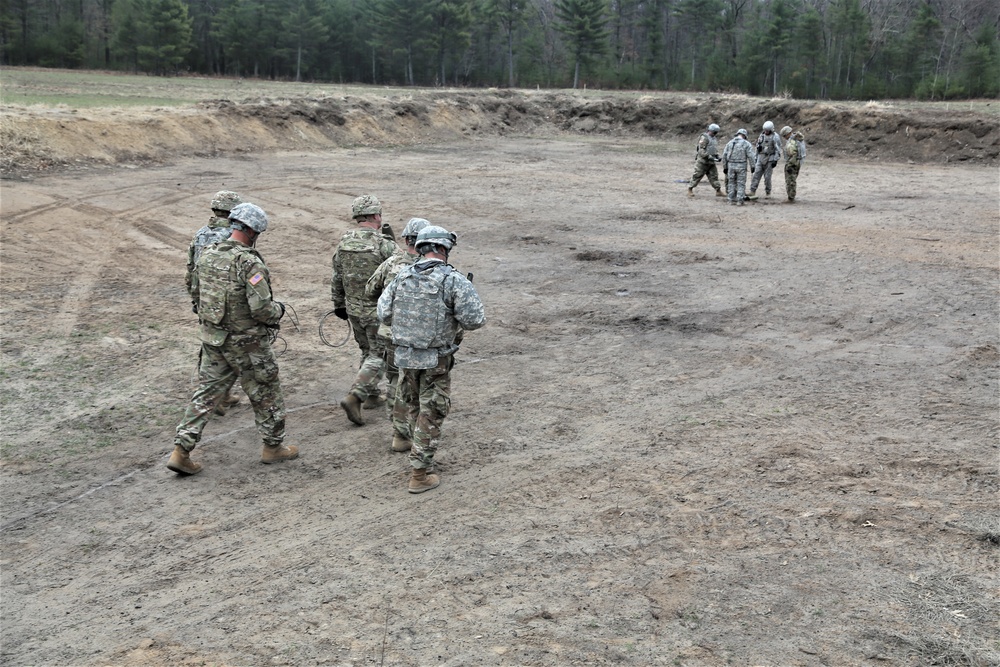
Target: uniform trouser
[[372, 365], [762, 169], [736, 181], [426, 400], [250, 358], [708, 169], [791, 175], [393, 395]]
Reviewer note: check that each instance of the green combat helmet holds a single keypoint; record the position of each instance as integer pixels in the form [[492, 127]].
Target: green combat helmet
[[366, 205], [248, 215], [225, 200], [432, 235], [785, 131]]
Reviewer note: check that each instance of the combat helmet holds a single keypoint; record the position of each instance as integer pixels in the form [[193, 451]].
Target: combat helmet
[[248, 215], [742, 131], [713, 128], [785, 131], [768, 126], [366, 205], [225, 200], [413, 228], [432, 235]]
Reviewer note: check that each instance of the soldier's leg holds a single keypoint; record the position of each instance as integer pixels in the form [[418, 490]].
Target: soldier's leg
[[391, 375], [741, 185], [768, 168], [435, 403], [731, 184], [259, 377], [215, 376], [699, 172], [713, 178], [755, 179], [406, 407], [791, 175], [360, 335], [372, 365]]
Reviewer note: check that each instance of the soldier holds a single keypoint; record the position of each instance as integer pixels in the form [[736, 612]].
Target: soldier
[[358, 255], [216, 230], [706, 155], [795, 153], [427, 306], [768, 154], [233, 291], [384, 275], [735, 158]]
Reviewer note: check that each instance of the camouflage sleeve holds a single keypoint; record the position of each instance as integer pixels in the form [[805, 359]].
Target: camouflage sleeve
[[466, 304], [189, 274], [337, 283], [375, 284], [703, 147], [257, 279], [385, 303]]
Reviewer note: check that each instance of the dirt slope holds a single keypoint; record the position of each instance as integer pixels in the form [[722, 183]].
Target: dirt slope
[[690, 433]]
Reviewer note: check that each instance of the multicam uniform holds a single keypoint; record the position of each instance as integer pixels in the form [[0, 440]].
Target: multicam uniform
[[216, 230], [795, 153], [736, 157], [358, 255], [427, 305], [768, 154], [706, 155], [235, 307], [383, 276]]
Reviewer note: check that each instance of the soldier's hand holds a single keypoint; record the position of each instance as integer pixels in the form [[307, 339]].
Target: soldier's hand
[[194, 307], [774, 164], [282, 309], [340, 312]]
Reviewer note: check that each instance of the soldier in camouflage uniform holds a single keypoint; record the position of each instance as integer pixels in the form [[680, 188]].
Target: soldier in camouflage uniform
[[706, 155], [736, 156], [427, 306], [768, 154], [233, 291], [358, 255], [216, 230], [385, 274], [795, 153]]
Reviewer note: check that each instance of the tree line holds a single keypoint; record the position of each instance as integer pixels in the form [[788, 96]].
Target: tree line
[[825, 49]]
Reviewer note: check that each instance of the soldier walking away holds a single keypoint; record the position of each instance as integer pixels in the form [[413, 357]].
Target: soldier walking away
[[427, 306], [795, 153], [237, 311], [737, 155], [216, 230], [385, 274], [768, 154], [358, 255], [705, 157]]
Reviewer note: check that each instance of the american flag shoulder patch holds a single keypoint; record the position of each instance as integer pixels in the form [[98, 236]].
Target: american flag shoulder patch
[[256, 278]]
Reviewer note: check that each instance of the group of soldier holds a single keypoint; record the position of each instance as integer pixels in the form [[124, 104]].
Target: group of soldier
[[739, 155], [407, 307]]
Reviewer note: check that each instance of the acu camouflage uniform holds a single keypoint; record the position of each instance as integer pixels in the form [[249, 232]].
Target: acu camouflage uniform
[[216, 230], [736, 157], [358, 255], [795, 153], [706, 155], [768, 154], [383, 276], [428, 305], [235, 307]]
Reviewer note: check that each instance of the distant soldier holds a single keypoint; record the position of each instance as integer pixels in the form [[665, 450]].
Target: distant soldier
[[233, 291], [736, 157], [216, 230], [385, 274], [428, 305], [358, 255], [706, 155], [768, 154], [795, 153]]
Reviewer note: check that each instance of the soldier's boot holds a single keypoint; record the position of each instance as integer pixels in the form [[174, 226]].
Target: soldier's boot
[[279, 453], [720, 193], [180, 462], [373, 401], [228, 401], [352, 406], [690, 192], [399, 443], [421, 481]]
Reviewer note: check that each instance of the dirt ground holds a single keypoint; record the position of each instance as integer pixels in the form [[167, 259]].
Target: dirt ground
[[689, 434]]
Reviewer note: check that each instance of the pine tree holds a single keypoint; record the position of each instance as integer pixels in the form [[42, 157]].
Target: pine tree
[[584, 23], [164, 29]]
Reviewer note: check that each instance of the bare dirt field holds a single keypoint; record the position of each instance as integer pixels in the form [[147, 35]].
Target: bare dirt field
[[690, 433]]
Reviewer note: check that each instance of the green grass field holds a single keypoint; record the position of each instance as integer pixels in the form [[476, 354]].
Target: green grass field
[[34, 86]]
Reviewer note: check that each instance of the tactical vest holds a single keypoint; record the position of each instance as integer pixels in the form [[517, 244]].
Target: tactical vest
[[420, 316], [222, 296], [359, 257]]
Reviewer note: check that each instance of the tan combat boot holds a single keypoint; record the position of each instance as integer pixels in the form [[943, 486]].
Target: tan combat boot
[[720, 193], [227, 402], [421, 481], [373, 401], [352, 406], [690, 192], [399, 443], [180, 462], [279, 453]]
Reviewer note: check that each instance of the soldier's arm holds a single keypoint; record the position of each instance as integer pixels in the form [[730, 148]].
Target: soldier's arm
[[337, 284], [468, 307], [375, 284], [385, 304], [189, 274], [263, 307]]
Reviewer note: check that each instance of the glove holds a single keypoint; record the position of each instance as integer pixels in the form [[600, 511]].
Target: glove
[[282, 309], [752, 168], [194, 307], [340, 312], [774, 164]]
